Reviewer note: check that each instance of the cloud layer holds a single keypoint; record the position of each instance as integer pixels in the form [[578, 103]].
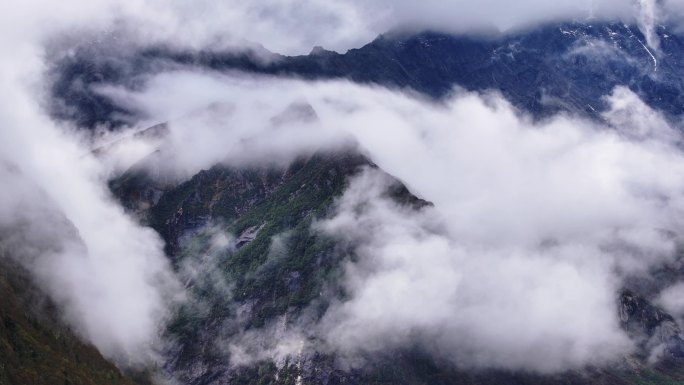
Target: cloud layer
[[295, 27], [535, 224]]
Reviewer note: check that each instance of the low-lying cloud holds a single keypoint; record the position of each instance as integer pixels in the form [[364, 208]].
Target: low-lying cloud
[[535, 225], [547, 308], [107, 274]]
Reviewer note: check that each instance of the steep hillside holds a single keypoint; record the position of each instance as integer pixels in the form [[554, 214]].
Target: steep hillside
[[35, 348]]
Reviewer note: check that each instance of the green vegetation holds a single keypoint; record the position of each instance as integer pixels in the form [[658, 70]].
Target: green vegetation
[[35, 349], [281, 203]]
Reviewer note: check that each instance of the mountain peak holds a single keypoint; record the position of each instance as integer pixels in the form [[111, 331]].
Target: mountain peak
[[318, 50]]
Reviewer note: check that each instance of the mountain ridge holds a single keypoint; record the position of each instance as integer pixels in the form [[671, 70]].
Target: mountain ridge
[[555, 68]]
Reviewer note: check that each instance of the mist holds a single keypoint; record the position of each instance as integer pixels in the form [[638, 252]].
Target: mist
[[535, 224]]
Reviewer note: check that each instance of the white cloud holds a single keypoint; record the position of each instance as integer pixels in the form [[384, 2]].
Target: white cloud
[[535, 224], [544, 309], [672, 300]]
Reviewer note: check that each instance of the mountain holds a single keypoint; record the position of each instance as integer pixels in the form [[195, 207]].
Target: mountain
[[567, 67], [242, 238]]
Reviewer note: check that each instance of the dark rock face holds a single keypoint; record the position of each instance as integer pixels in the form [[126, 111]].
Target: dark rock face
[[226, 195], [656, 331], [567, 67]]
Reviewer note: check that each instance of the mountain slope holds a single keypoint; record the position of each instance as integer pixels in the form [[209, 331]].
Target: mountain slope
[[35, 348]]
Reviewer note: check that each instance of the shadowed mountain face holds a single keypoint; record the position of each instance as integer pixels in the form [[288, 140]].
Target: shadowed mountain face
[[243, 239], [276, 267], [568, 67]]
